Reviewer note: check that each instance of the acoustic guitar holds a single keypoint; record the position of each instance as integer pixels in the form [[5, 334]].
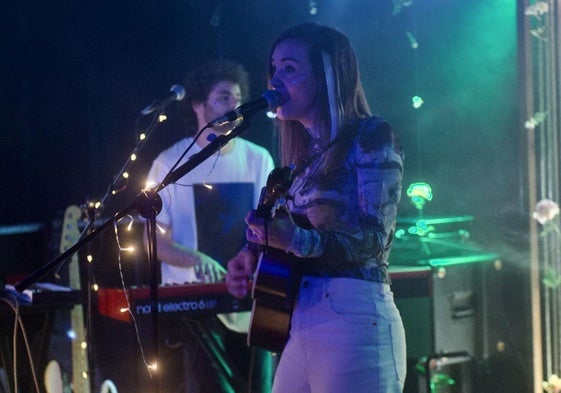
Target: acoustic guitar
[[275, 279]]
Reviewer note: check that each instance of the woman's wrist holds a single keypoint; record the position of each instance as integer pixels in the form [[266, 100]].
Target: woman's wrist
[[305, 243]]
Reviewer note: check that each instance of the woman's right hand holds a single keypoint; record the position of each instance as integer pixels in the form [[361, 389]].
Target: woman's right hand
[[240, 269]]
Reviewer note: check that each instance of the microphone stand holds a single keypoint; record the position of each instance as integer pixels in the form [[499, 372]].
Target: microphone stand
[[118, 184], [149, 204]]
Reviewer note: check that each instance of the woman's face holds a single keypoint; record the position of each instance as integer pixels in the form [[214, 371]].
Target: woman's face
[[293, 77]]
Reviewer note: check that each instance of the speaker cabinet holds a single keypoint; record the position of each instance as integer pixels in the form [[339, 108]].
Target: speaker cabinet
[[452, 373], [446, 309]]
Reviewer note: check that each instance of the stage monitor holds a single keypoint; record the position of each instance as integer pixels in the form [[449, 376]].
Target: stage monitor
[[23, 249]]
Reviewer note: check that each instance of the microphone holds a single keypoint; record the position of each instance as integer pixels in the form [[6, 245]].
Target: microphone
[[270, 99], [177, 94]]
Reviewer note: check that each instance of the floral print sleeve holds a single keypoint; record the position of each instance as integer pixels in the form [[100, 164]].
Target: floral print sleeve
[[352, 211]]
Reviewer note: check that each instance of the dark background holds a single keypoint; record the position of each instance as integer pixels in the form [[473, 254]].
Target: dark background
[[75, 76]]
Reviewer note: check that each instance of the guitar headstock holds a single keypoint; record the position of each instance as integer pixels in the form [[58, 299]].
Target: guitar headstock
[[70, 231], [275, 192]]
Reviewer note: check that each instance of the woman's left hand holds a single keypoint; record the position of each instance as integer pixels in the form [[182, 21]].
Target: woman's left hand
[[279, 231]]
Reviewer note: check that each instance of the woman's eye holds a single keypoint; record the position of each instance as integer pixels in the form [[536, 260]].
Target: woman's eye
[[289, 69]]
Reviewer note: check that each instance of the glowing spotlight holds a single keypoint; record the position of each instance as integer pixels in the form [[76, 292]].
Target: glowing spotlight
[[150, 185], [71, 334], [313, 7], [419, 193], [421, 228], [398, 5], [537, 9], [536, 120], [412, 40], [417, 102]]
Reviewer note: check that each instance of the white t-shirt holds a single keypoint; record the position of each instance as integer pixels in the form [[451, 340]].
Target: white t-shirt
[[245, 163]]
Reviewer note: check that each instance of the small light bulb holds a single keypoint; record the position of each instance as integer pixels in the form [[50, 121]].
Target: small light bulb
[[89, 258], [313, 8], [142, 136], [133, 157], [412, 40], [417, 102]]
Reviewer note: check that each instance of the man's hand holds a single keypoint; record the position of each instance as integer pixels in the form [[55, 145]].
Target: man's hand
[[208, 270]]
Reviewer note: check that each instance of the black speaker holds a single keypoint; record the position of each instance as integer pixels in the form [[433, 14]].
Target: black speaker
[[447, 373], [447, 309], [23, 249]]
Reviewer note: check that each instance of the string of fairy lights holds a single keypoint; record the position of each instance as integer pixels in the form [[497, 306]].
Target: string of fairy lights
[[419, 193]]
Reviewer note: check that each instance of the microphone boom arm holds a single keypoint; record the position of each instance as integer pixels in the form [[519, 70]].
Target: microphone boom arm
[[215, 145]]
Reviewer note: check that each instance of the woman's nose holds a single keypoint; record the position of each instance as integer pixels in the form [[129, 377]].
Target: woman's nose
[[275, 81]]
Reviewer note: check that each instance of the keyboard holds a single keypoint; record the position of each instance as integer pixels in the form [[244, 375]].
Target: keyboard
[[193, 300]]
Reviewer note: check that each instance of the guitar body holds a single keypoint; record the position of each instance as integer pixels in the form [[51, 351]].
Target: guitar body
[[273, 293], [70, 235], [276, 279], [53, 377]]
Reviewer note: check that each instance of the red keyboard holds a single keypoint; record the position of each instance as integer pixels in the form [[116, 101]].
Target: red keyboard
[[194, 300]]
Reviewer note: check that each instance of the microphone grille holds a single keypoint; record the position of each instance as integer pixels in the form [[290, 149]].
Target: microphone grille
[[274, 98], [179, 92]]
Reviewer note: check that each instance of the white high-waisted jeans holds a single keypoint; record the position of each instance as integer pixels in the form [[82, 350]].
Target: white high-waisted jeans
[[346, 336]]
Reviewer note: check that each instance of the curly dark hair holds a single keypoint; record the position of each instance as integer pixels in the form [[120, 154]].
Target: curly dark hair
[[199, 83]]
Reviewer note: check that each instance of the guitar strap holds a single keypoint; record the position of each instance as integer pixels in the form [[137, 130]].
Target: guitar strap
[[280, 180], [347, 132]]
